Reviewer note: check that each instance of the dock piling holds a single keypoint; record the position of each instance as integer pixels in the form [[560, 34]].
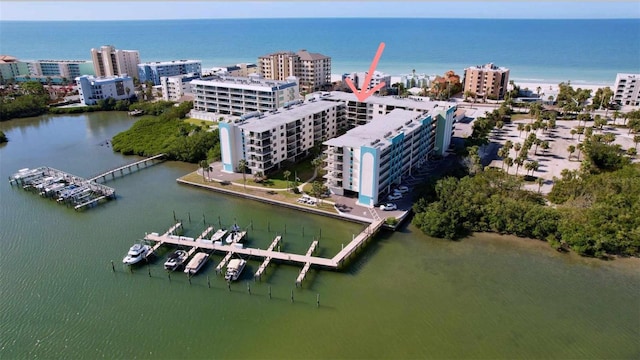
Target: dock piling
[[149, 269], [204, 221], [229, 285], [189, 213], [113, 268], [189, 278], [219, 222], [169, 275], [269, 292], [292, 295], [174, 216], [269, 226], [208, 282], [249, 288], [318, 300]]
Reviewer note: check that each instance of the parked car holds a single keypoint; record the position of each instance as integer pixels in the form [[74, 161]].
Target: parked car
[[403, 189], [388, 207], [395, 196]]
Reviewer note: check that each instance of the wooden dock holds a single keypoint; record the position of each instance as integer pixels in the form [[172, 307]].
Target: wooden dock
[[307, 260], [307, 266], [265, 263], [121, 169]]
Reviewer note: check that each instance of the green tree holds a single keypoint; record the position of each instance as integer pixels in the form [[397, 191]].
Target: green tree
[[204, 165], [3, 137], [242, 167], [520, 129], [286, 175], [636, 140], [540, 182]]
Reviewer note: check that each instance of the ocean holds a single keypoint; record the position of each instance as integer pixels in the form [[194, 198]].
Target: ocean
[[580, 51]]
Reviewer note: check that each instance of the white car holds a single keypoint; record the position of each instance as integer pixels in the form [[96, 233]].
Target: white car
[[388, 207], [395, 196], [402, 189]]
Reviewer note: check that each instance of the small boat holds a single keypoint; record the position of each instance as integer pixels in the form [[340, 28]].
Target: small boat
[[176, 259], [136, 253], [234, 269], [196, 263], [235, 237], [218, 235]]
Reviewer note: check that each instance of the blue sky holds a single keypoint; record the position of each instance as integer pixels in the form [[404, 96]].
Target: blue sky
[[133, 10]]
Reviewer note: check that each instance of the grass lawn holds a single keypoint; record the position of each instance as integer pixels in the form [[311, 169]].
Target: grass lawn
[[516, 117], [201, 123]]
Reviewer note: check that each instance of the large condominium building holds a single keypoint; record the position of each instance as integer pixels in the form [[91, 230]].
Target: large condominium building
[[371, 158], [10, 68], [487, 80], [237, 96], [626, 89], [266, 140], [375, 107], [66, 69], [175, 87], [109, 61], [153, 71], [359, 79], [313, 70], [92, 89]]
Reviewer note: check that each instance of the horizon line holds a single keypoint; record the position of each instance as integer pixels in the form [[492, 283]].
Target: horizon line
[[314, 17]]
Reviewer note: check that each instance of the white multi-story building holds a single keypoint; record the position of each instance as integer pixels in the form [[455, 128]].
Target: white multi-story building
[[10, 68], [266, 140], [375, 107], [237, 96], [109, 61], [91, 89], [153, 71], [627, 89], [416, 80], [359, 79], [369, 159], [175, 87]]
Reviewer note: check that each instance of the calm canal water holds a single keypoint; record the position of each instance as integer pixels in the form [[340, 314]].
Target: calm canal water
[[405, 296]]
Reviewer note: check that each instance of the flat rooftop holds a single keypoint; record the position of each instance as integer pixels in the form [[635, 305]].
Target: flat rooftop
[[249, 83], [172, 62], [406, 103], [378, 132], [284, 116]]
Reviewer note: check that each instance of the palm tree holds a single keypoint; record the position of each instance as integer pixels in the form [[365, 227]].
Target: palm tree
[[636, 140], [509, 162], [573, 133], [580, 131], [616, 115], [242, 167], [520, 128], [517, 147], [539, 181], [528, 166], [519, 161], [571, 149], [611, 137], [286, 175], [535, 165], [545, 146], [632, 152], [204, 165], [579, 147]]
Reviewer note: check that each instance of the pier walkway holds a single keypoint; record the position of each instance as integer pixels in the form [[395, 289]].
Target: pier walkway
[[307, 260], [121, 169]]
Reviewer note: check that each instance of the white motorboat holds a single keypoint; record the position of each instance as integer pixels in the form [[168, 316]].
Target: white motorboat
[[235, 237], [196, 263], [218, 235], [176, 259], [234, 269], [136, 253]]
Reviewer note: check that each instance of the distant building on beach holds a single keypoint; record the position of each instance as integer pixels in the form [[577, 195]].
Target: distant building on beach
[[313, 70], [359, 79], [92, 89], [153, 71], [238, 70], [109, 61], [486, 81], [627, 89], [63, 69], [10, 68]]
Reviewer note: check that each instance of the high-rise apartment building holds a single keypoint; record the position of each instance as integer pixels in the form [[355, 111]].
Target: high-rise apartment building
[[313, 70], [627, 89], [66, 69], [486, 81], [109, 61]]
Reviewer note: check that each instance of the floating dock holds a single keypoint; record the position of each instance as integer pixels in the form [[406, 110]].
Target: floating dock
[[307, 261]]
